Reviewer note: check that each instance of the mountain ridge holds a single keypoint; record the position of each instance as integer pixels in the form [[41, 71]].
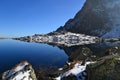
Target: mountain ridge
[[97, 18]]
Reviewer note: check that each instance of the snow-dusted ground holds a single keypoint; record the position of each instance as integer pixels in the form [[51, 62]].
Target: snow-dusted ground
[[78, 70]]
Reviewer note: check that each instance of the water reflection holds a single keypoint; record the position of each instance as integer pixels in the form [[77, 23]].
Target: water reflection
[[13, 52], [90, 51], [81, 50]]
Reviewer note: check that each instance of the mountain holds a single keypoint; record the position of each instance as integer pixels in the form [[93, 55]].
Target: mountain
[[97, 17], [1, 38]]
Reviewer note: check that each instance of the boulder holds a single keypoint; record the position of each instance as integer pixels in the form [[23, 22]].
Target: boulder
[[22, 71]]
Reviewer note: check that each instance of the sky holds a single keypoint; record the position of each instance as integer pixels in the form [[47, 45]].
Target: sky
[[29, 17]]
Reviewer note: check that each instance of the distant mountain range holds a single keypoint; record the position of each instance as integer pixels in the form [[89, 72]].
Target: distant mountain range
[[2, 38], [97, 18]]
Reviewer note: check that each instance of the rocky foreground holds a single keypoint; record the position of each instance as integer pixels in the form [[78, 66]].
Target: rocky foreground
[[89, 68]]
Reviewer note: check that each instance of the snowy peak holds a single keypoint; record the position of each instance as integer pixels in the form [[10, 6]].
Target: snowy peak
[[97, 17], [22, 71]]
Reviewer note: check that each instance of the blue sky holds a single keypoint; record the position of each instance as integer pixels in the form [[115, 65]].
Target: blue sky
[[28, 17]]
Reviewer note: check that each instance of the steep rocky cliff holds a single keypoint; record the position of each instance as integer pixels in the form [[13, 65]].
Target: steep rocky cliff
[[97, 17]]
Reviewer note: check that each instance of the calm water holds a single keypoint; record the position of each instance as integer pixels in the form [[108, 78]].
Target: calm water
[[12, 52]]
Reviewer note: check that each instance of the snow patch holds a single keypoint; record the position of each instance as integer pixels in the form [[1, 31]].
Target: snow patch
[[19, 73], [78, 70], [23, 76]]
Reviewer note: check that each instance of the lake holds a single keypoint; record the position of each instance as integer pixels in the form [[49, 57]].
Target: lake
[[37, 54], [13, 52]]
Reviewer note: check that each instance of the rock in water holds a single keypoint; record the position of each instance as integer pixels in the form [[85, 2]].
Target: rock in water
[[97, 17], [22, 71]]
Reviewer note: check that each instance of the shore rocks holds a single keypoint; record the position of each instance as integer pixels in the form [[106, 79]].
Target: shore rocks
[[82, 53], [22, 71], [106, 70], [103, 68], [107, 67]]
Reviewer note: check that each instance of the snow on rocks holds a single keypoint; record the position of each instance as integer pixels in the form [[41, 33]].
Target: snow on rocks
[[60, 69], [78, 70], [22, 71]]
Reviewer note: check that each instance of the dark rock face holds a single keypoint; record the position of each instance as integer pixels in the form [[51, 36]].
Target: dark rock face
[[108, 70], [105, 67], [81, 53], [97, 17], [71, 77]]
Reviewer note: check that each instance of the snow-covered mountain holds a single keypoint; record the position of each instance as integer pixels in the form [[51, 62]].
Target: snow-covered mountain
[[97, 17]]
